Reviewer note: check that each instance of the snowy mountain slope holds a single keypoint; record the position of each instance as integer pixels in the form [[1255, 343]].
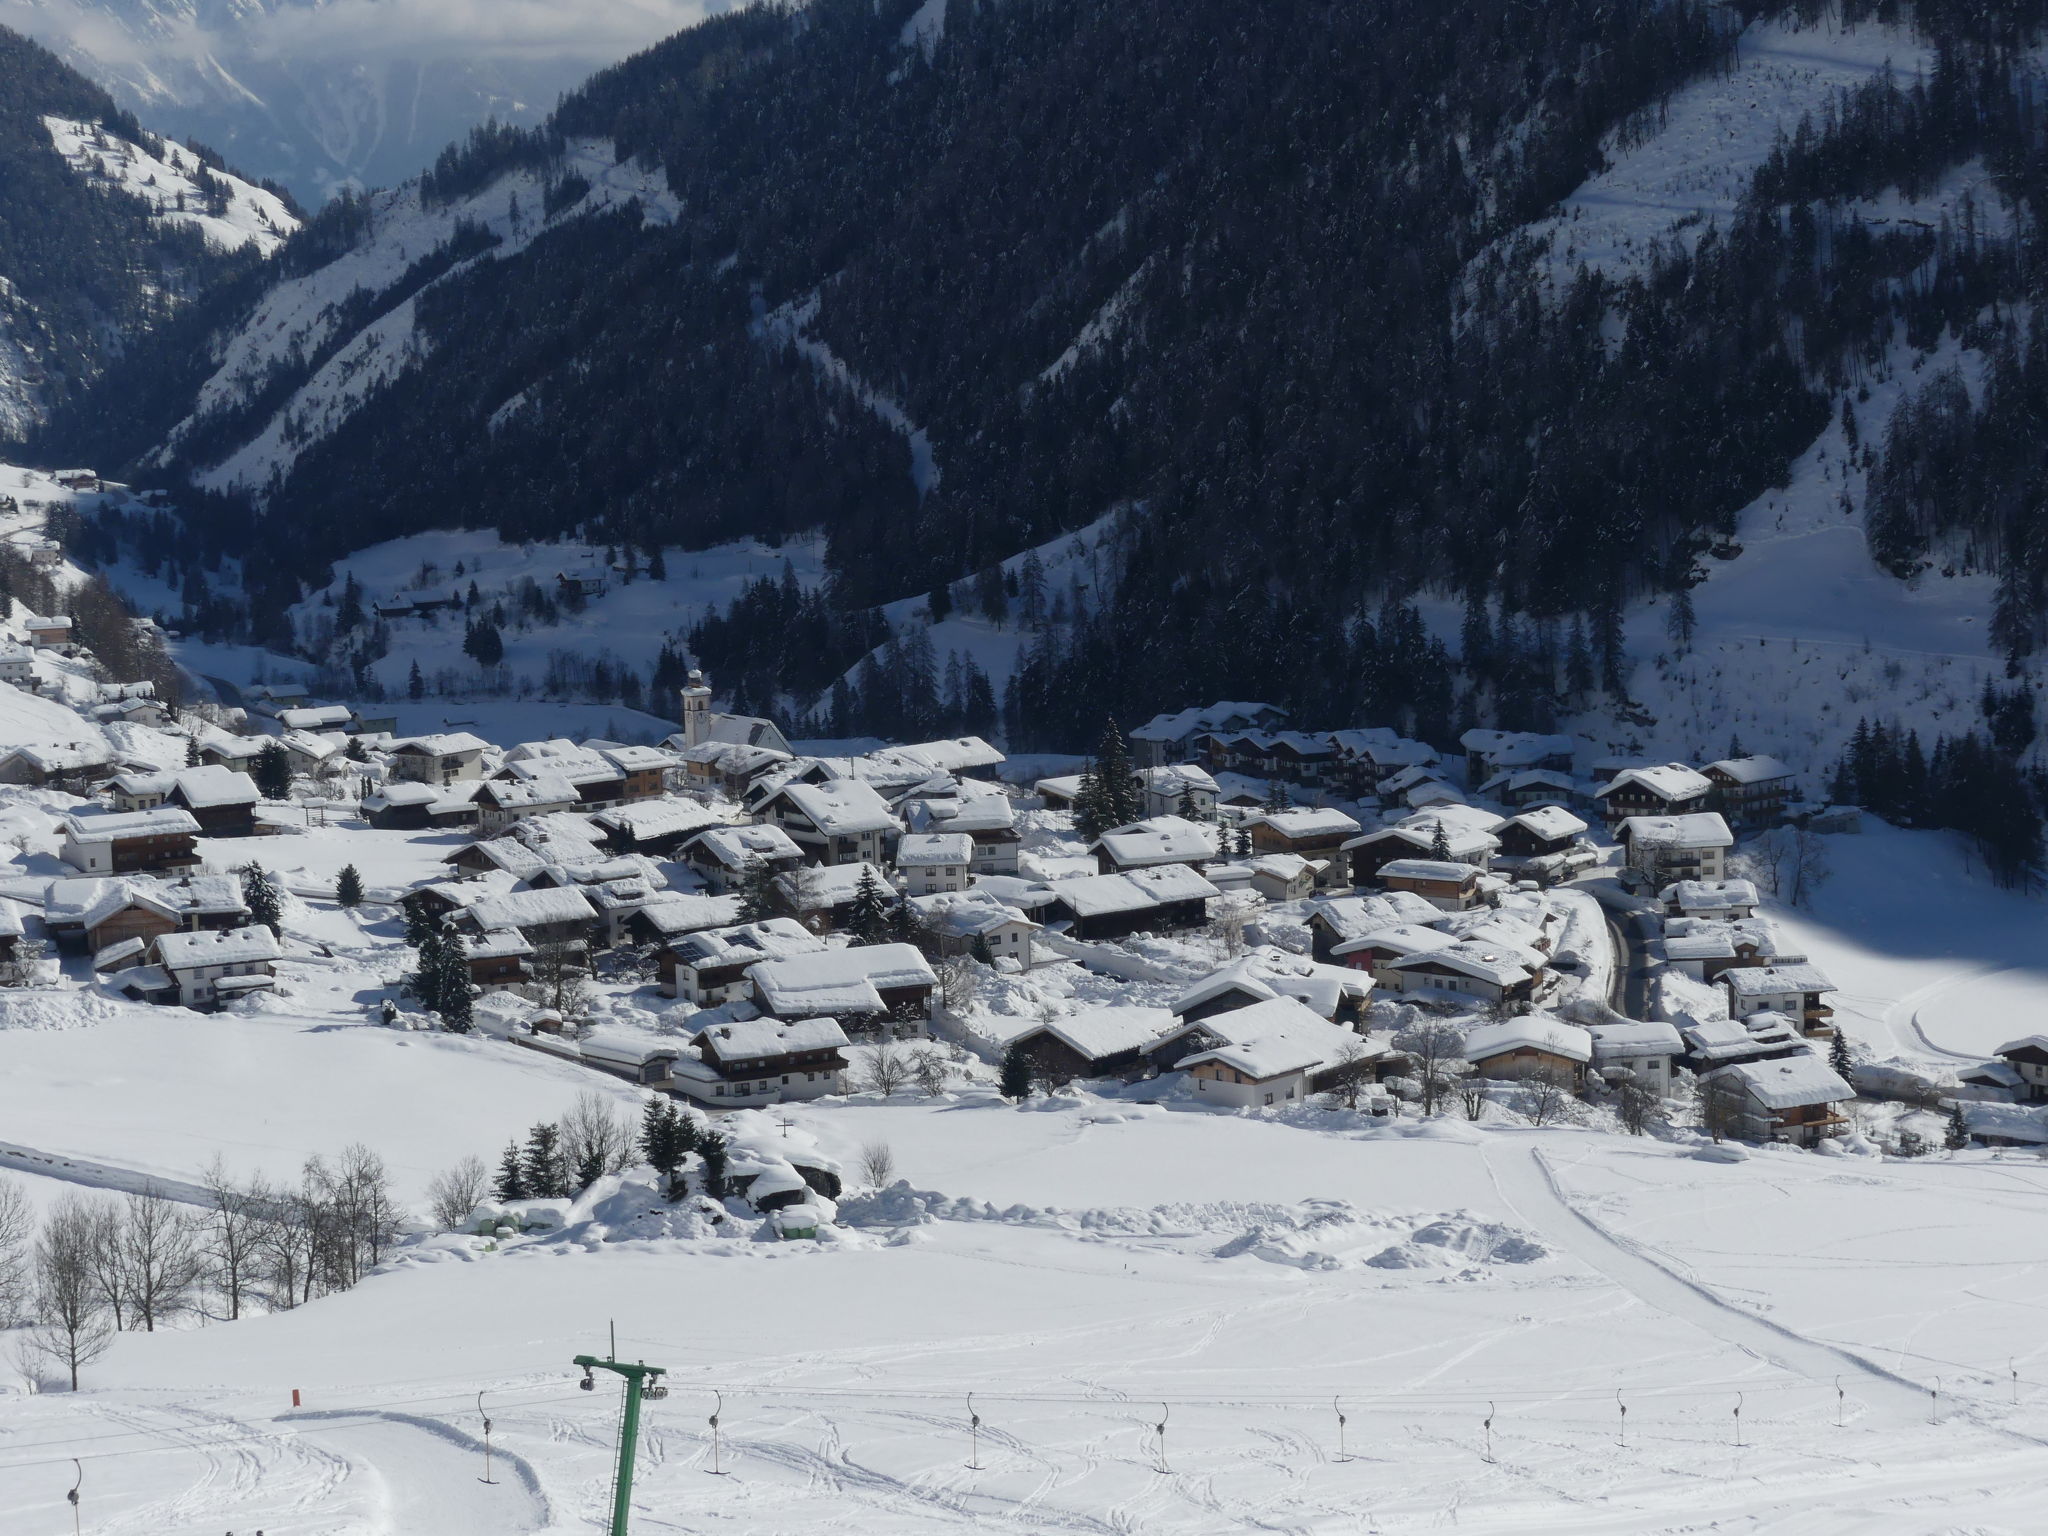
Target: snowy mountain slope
[[107, 233], [306, 317], [177, 186], [1683, 166], [325, 94]]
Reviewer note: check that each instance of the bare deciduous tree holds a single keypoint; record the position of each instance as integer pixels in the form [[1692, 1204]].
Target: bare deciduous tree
[[1636, 1107], [1355, 1066], [877, 1164], [73, 1325], [1229, 916], [886, 1069], [1810, 867], [1721, 1102], [1472, 1097], [1437, 1049], [595, 1141], [959, 982], [1545, 1096], [454, 1192], [17, 1253], [232, 1237], [930, 1070], [561, 978]]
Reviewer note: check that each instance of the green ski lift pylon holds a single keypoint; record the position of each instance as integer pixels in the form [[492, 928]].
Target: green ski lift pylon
[[642, 1381]]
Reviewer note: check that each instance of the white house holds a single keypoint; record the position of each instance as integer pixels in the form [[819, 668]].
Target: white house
[[1722, 900], [841, 822], [1797, 1099], [1643, 1054], [1169, 791], [1267, 1055], [209, 969], [1667, 849], [1797, 991], [931, 862], [439, 759], [960, 921]]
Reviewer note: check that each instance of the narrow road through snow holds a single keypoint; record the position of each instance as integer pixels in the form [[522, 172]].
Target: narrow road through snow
[[1528, 1185]]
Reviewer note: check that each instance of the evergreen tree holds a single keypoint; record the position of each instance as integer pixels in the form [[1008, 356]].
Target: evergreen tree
[[511, 1182], [348, 888], [260, 894], [1838, 1056], [1186, 808], [483, 644], [192, 753], [273, 772], [757, 891], [1016, 1072], [457, 998], [546, 1177], [711, 1150], [430, 973], [1683, 622], [980, 950], [868, 921], [1958, 1136], [415, 684], [1122, 803], [1440, 844], [417, 923], [590, 1167], [660, 1135]]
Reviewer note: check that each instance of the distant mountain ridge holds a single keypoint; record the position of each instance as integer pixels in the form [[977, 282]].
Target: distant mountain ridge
[[324, 94], [106, 231]]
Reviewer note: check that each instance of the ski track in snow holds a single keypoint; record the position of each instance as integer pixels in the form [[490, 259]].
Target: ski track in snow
[[1529, 1185]]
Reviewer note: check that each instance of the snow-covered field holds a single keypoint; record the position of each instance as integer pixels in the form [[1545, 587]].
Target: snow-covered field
[[1478, 1301]]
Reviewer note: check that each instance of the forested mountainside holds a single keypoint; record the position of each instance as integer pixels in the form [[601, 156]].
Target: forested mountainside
[[105, 232], [948, 281]]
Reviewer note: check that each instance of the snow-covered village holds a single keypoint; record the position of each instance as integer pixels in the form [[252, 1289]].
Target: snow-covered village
[[1252, 1120]]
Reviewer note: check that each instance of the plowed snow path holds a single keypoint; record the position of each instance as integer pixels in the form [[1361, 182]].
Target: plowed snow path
[[1529, 1187], [428, 1475]]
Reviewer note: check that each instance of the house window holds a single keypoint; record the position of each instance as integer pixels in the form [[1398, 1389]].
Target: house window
[[1269, 1098]]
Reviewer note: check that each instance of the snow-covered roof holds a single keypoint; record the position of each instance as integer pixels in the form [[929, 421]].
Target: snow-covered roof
[[648, 819], [110, 826], [1398, 939], [1178, 727], [1307, 821], [1751, 770], [926, 850], [675, 914], [1286, 867], [1745, 981], [1699, 829], [1634, 1038], [1232, 978], [1532, 1031], [1063, 785], [967, 914], [755, 1039], [830, 885], [633, 759], [234, 946], [1708, 895], [840, 808], [734, 847], [1512, 780], [445, 744], [1789, 1082], [577, 767], [1428, 869], [2024, 1043], [156, 783], [211, 785], [1272, 1038], [838, 981], [542, 789], [1549, 822], [1722, 1039], [747, 943], [1132, 891], [1172, 779], [521, 909], [48, 757], [953, 756], [1527, 746], [1100, 1032], [1159, 840], [735, 757], [1667, 781], [1498, 964], [402, 792], [497, 944], [318, 717], [974, 809], [2009, 1122]]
